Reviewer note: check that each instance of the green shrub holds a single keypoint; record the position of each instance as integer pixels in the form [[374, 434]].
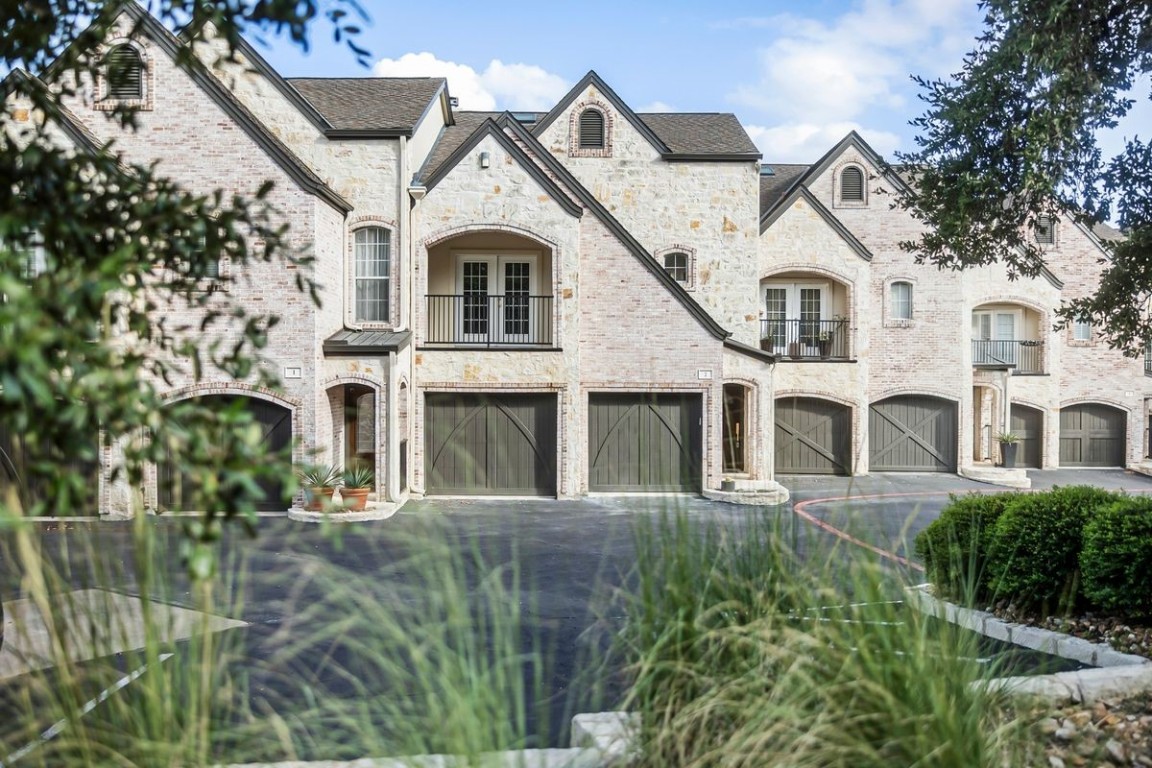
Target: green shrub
[[954, 547], [1116, 560], [1034, 557]]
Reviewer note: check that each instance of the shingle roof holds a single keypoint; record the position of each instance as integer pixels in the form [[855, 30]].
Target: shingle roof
[[774, 187], [701, 133], [370, 103], [451, 138]]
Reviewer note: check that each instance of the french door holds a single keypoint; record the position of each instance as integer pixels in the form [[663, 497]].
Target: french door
[[793, 312], [496, 293], [995, 336]]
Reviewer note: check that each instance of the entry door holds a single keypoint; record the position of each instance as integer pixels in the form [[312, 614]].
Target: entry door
[[497, 293], [803, 302], [998, 332]]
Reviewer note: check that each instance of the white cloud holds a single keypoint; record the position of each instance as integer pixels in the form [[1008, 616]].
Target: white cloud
[[859, 62], [500, 86], [807, 142], [655, 106]]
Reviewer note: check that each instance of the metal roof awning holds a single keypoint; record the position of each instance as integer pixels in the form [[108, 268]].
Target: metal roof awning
[[365, 343]]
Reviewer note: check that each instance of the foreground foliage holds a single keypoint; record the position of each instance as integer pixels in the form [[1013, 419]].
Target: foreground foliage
[[743, 654], [1068, 549], [1012, 138]]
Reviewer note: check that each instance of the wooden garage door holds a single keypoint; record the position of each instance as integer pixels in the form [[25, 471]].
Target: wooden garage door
[[1028, 425], [174, 488], [644, 442], [18, 453], [1092, 435], [813, 436], [912, 433], [490, 444]]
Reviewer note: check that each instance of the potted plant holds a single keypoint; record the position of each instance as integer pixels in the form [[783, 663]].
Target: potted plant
[[319, 481], [824, 341], [358, 483], [1008, 445]]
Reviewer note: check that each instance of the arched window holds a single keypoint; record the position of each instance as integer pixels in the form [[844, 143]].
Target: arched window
[[373, 276], [591, 129], [900, 301], [124, 70], [852, 185]]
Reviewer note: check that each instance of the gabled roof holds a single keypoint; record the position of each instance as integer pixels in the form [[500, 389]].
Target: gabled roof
[[568, 192], [775, 186], [675, 135], [277, 151], [798, 191], [450, 139], [857, 142], [490, 128], [376, 106], [20, 81], [251, 57], [594, 79]]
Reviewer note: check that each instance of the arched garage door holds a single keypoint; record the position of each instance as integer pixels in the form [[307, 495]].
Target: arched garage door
[[1092, 435], [490, 444], [813, 437], [644, 442], [175, 488], [912, 433], [18, 453]]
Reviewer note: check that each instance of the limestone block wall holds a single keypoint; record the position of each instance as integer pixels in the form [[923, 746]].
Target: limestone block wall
[[708, 209]]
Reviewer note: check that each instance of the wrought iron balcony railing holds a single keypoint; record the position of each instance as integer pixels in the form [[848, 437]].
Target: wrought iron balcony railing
[[483, 320], [1025, 355], [806, 339]]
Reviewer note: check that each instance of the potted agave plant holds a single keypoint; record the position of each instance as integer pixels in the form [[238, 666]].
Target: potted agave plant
[[319, 481], [1008, 445], [358, 481]]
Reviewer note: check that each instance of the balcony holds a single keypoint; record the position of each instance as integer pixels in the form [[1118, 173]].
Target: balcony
[[482, 320], [806, 339], [1024, 355]]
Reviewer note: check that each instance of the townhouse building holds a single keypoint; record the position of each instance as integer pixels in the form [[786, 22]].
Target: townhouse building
[[594, 300]]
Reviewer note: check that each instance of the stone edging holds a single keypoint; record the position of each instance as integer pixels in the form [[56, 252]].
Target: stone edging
[[1117, 674], [375, 511]]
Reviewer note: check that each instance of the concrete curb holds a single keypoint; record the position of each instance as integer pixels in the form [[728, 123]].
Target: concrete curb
[[599, 740], [1118, 674], [375, 511]]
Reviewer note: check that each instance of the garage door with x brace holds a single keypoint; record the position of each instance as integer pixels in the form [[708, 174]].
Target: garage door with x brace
[[490, 444], [1092, 435], [275, 422], [813, 436], [644, 442], [912, 433]]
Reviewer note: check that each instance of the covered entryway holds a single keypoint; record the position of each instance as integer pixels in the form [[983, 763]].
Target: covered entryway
[[912, 433], [174, 487], [490, 444], [813, 437], [645, 442], [1092, 435], [1028, 425], [18, 453]]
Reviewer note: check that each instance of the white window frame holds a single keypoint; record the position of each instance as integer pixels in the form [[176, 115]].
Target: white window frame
[[1081, 330], [895, 304], [496, 262], [389, 278], [993, 319], [792, 309]]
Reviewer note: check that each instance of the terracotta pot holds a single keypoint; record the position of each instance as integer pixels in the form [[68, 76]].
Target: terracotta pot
[[355, 498], [318, 498]]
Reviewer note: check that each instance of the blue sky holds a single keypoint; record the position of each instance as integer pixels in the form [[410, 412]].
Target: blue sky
[[799, 75]]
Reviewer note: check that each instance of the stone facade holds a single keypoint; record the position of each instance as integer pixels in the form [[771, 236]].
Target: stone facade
[[646, 255]]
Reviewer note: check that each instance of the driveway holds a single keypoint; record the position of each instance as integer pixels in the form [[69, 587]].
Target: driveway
[[308, 593]]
